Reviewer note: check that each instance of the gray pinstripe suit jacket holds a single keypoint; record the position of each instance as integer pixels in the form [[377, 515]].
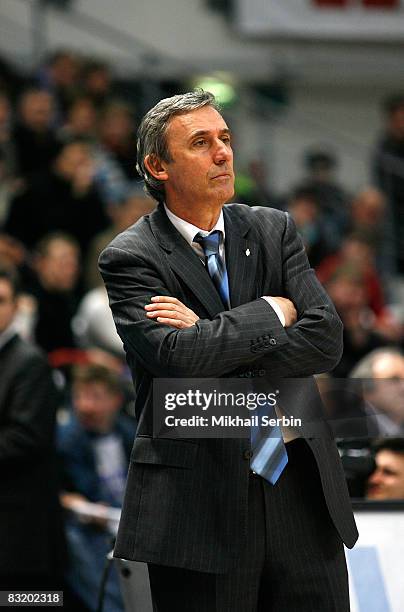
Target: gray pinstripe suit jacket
[[186, 500]]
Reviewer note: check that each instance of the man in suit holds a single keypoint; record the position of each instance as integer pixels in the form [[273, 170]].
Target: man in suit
[[216, 535], [31, 532]]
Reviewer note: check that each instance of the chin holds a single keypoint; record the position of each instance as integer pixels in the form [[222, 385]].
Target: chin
[[375, 495], [226, 194]]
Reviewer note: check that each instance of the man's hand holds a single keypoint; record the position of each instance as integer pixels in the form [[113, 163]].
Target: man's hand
[[288, 309], [87, 512], [171, 311]]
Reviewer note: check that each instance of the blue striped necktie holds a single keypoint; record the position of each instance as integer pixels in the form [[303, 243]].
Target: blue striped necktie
[[215, 264], [269, 457], [269, 452]]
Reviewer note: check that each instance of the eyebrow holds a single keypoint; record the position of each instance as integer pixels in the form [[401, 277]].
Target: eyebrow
[[207, 132]]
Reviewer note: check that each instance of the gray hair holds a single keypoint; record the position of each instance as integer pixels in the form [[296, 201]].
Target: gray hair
[[152, 132], [364, 368]]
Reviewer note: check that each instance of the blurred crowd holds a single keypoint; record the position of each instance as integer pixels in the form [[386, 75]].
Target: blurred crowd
[[68, 185]]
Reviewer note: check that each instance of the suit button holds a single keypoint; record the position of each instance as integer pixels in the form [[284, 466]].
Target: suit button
[[272, 341], [248, 454]]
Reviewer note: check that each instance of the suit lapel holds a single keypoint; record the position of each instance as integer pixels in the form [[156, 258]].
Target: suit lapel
[[185, 262], [241, 259]]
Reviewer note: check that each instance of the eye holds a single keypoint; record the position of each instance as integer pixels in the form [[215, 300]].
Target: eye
[[200, 142]]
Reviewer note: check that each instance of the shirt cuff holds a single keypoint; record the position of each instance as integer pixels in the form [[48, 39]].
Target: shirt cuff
[[275, 306]]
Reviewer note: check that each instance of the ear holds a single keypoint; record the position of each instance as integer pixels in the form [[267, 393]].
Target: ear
[[155, 167]]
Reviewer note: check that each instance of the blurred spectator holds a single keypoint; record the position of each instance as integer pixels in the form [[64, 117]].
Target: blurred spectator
[[6, 145], [94, 446], [356, 253], [81, 120], [387, 480], [304, 208], [368, 211], [57, 268], [320, 167], [382, 372], [347, 288], [117, 135], [14, 255], [34, 139], [110, 181], [61, 199], [60, 76], [93, 324], [32, 545], [122, 215], [388, 168], [96, 82]]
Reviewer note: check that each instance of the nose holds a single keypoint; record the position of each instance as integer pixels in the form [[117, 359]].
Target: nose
[[85, 406], [222, 153], [376, 477]]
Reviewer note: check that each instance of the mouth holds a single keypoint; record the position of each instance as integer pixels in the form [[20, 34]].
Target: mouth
[[373, 491], [225, 175]]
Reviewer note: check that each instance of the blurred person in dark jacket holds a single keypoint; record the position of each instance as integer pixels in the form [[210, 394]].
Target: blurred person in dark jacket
[[31, 535], [118, 136], [60, 76], [61, 199], [388, 171], [96, 81], [382, 374], [57, 266], [321, 164], [304, 207], [34, 138], [94, 442]]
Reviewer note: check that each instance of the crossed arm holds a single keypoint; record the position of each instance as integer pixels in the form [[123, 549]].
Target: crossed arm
[[170, 311], [168, 339]]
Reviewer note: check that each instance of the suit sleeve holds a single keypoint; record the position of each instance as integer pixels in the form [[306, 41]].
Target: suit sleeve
[[29, 426], [315, 340], [208, 348]]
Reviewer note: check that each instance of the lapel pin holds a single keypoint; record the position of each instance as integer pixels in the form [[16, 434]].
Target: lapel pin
[[248, 252]]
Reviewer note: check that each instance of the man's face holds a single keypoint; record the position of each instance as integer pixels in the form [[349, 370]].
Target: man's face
[[387, 481], [387, 394], [96, 405], [36, 110], [58, 270], [8, 304], [73, 159], [201, 170]]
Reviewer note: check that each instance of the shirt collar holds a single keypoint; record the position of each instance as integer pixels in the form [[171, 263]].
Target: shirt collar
[[189, 231]]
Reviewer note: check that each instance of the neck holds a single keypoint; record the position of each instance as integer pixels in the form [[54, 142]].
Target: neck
[[203, 216]]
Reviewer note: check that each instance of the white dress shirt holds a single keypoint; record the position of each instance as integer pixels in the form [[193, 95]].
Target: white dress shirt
[[189, 231]]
